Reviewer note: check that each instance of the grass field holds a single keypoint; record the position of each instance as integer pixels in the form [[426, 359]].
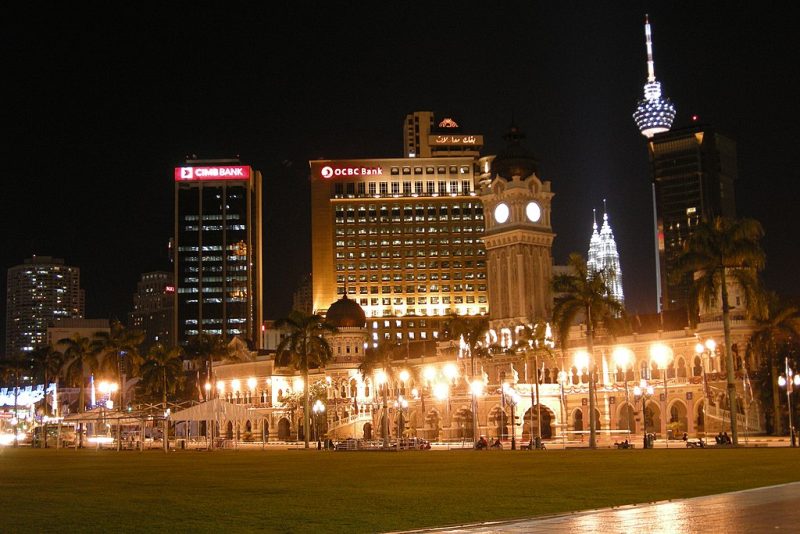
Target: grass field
[[311, 491]]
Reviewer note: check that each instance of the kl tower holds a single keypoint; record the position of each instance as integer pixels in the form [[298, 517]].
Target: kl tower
[[654, 113]]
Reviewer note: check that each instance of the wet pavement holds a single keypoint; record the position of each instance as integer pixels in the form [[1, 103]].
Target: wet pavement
[[770, 509]]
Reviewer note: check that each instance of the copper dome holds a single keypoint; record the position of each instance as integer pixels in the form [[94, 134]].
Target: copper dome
[[346, 313]]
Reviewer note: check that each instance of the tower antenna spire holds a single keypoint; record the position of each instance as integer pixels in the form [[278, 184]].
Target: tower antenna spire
[[648, 39], [594, 217]]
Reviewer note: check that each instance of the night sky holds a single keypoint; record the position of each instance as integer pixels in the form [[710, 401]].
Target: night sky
[[100, 106]]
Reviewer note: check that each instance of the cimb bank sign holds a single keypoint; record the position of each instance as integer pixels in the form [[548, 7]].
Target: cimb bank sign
[[230, 172]]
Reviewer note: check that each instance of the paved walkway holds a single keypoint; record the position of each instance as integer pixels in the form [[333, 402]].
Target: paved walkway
[[770, 509]]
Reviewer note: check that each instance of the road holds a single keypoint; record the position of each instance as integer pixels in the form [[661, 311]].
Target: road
[[770, 509]]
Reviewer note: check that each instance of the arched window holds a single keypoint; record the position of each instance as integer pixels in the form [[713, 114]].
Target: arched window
[[697, 368], [353, 388], [644, 370], [681, 368]]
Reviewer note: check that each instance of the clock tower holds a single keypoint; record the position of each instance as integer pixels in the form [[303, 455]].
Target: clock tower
[[518, 236]]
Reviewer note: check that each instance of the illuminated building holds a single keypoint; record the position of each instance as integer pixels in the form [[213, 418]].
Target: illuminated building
[[654, 113], [154, 308], [217, 250], [424, 137], [518, 236], [604, 258], [403, 238], [693, 172], [40, 291]]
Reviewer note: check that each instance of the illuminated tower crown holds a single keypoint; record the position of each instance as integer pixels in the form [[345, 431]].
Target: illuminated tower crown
[[654, 113], [604, 258]]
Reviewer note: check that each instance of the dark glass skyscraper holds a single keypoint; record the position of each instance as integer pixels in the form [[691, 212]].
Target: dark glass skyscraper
[[217, 250], [693, 172]]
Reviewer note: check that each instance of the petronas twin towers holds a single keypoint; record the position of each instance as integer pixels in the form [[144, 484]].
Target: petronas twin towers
[[604, 258]]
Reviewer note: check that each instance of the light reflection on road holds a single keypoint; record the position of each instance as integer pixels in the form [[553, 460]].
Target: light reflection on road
[[775, 508]]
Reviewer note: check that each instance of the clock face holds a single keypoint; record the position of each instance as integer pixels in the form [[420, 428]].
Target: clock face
[[501, 213], [533, 211]]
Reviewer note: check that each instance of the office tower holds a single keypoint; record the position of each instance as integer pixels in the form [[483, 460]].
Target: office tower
[[217, 250], [301, 298], [519, 236], [154, 309], [604, 258], [693, 172], [426, 138], [401, 237], [40, 291], [654, 113]]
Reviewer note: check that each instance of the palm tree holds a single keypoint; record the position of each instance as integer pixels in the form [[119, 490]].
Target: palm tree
[[80, 360], [534, 340], [204, 350], [49, 362], [780, 324], [382, 357], [473, 331], [716, 250], [303, 348], [13, 369], [162, 370], [119, 353], [584, 293]]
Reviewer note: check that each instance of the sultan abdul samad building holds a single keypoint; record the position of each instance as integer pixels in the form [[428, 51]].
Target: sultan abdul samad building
[[400, 244]]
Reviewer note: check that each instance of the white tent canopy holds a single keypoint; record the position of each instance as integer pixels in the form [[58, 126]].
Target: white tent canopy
[[216, 410]]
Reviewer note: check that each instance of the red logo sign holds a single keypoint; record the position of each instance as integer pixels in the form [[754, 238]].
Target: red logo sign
[[233, 172]]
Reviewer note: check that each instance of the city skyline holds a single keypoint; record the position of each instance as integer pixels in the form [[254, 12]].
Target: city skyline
[[102, 112]]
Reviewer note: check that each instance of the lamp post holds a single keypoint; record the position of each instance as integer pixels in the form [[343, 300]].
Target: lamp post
[[513, 398], [643, 391], [581, 363], [318, 408], [476, 388], [790, 381], [705, 350], [623, 357], [402, 406], [441, 390], [662, 355], [562, 379]]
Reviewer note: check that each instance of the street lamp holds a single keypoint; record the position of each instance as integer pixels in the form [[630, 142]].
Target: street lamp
[[441, 390], [662, 355], [643, 391], [790, 381], [583, 361], [402, 406], [318, 408], [623, 357], [706, 350], [513, 399]]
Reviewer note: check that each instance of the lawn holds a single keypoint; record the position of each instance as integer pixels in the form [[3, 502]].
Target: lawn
[[311, 491]]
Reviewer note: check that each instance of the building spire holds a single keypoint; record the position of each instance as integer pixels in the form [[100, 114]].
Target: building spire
[[648, 39]]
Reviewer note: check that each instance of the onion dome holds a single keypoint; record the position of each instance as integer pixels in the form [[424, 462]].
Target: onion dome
[[515, 160], [346, 313]]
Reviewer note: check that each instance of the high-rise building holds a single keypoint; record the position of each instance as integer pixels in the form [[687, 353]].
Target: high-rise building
[[654, 113], [426, 138], [40, 291], [217, 250], [154, 309], [519, 236], [604, 258], [693, 173], [403, 238], [301, 298]]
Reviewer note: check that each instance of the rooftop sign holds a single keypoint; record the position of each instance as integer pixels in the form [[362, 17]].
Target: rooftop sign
[[230, 172], [476, 140]]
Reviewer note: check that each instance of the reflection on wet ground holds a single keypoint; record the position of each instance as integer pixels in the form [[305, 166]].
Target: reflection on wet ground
[[774, 508]]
